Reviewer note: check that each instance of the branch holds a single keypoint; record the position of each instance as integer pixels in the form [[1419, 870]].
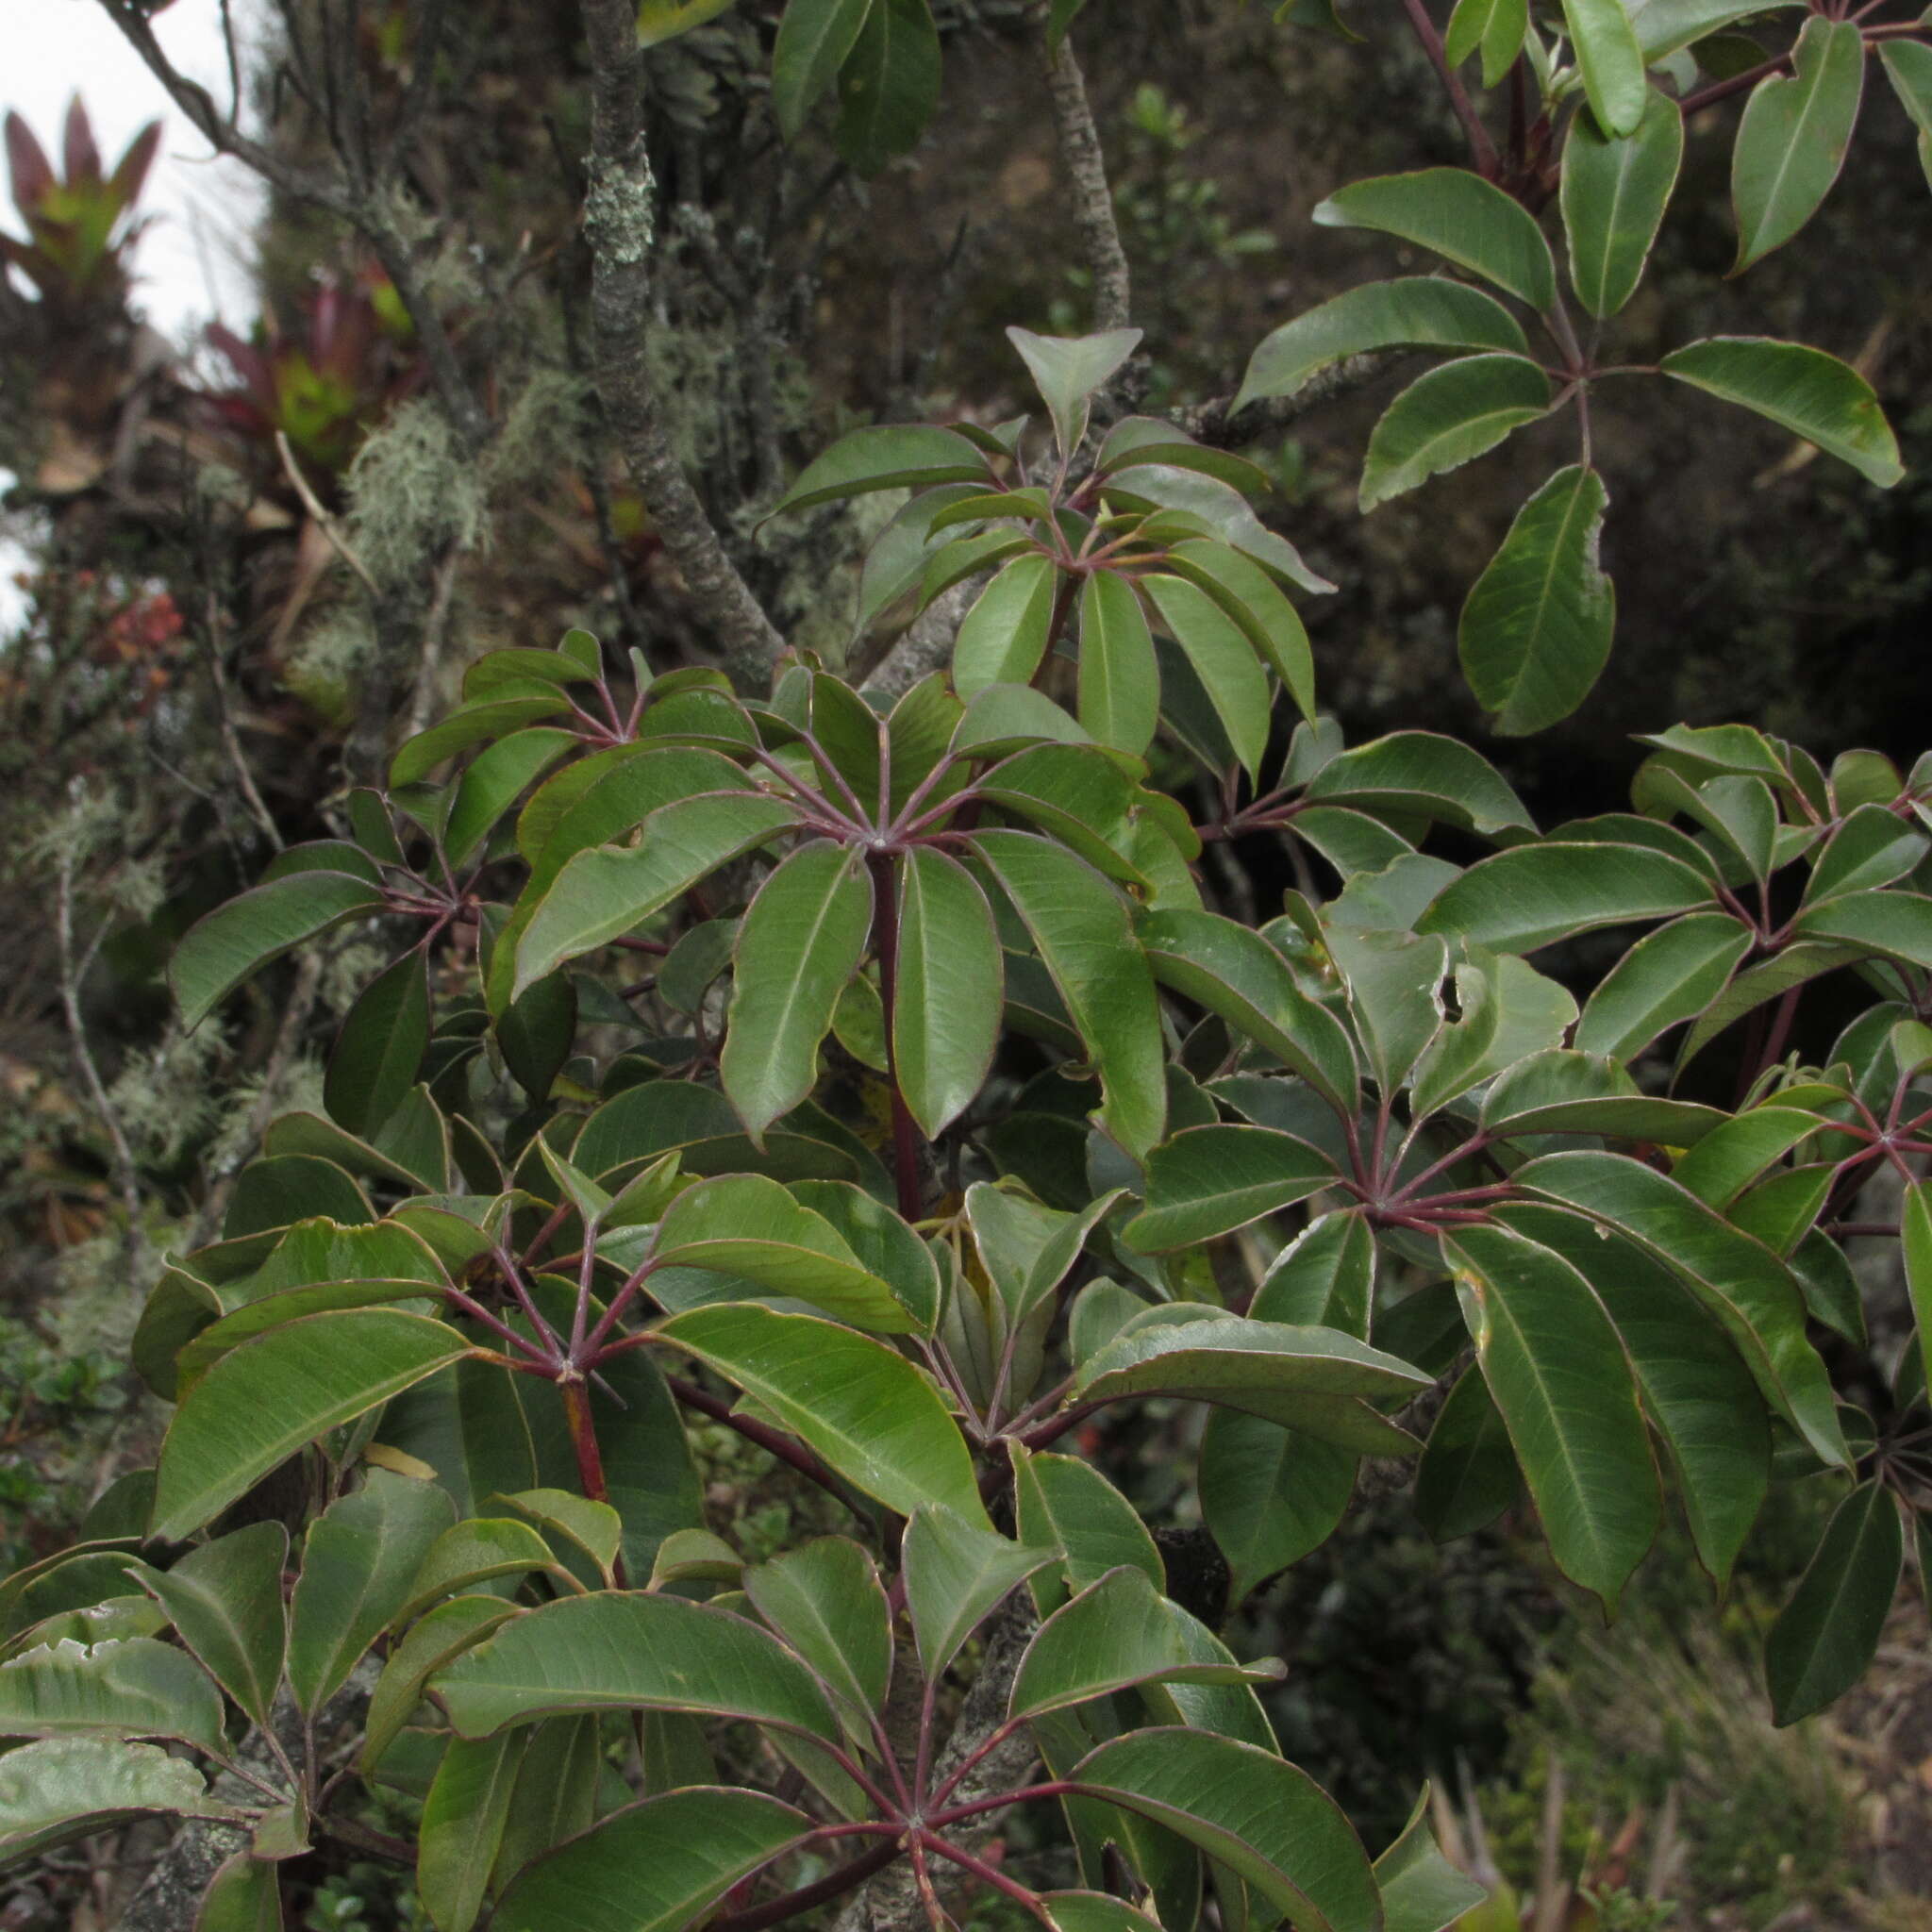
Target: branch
[[1086, 166], [127, 1175], [1482, 150], [1211, 424], [305, 184], [618, 219], [925, 646], [890, 1903]]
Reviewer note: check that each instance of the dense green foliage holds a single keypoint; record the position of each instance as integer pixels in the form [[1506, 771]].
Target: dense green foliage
[[885, 1080]]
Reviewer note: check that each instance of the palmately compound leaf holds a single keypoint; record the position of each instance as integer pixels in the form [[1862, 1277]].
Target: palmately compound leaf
[[1536, 628]]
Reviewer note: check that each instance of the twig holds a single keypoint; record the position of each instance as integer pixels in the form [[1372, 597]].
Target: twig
[[324, 522], [231, 741], [1482, 150], [1086, 170], [435, 628], [127, 1175], [618, 219]]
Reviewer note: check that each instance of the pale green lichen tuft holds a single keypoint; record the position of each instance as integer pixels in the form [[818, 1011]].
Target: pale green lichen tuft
[[414, 490]]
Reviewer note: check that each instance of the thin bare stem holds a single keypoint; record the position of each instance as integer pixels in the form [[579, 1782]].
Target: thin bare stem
[[1085, 163]]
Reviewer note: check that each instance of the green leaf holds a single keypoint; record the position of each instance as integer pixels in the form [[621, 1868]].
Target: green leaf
[[1614, 193], [462, 1824], [883, 1243], [824, 1599], [1414, 312], [1508, 1012], [1915, 1241], [1564, 1387], [602, 893], [1813, 395], [1447, 417], [1869, 848], [477, 1550], [68, 1788], [1201, 499], [1080, 926], [1909, 67], [1418, 773], [129, 1687], [889, 85], [867, 1410], [556, 1794], [1067, 370], [360, 1557], [946, 1017], [237, 940], [431, 1641], [1495, 26], [1745, 1286], [244, 1895], [1694, 1383], [957, 1573], [888, 457], [1119, 684], [1094, 1911], [1078, 793], [1003, 638], [264, 1400], [1236, 973], [1421, 1891], [1610, 62], [1065, 1502], [1117, 1634], [1827, 1633], [1324, 1278], [1460, 216], [1535, 626], [510, 706], [1896, 926], [571, 1521], [625, 1651], [1267, 1822], [1468, 1474], [1207, 1181], [1793, 135], [224, 1599], [1669, 976], [663, 20], [1767, 980], [1393, 981], [379, 1051], [743, 1225], [1665, 25], [1268, 1495], [1250, 596], [1735, 1151], [1532, 895], [657, 1866], [1313, 1379], [1224, 659], [801, 941], [815, 37], [494, 781]]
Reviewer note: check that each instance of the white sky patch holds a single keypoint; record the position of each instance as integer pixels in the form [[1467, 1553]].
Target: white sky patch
[[193, 262]]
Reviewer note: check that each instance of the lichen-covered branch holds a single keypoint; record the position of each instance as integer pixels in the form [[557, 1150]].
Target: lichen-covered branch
[[618, 220], [1212, 422], [1086, 174]]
